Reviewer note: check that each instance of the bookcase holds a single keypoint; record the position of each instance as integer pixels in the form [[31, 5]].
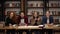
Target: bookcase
[[34, 5], [54, 8], [29, 6], [12, 5]]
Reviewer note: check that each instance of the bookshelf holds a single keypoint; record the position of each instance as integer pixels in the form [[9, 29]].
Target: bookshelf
[[35, 5], [54, 8], [12, 6], [28, 6]]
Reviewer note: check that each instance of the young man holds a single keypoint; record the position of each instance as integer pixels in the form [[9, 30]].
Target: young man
[[22, 21], [47, 19]]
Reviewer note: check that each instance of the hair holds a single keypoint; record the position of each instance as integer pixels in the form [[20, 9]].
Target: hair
[[21, 12], [48, 11], [36, 12], [14, 16]]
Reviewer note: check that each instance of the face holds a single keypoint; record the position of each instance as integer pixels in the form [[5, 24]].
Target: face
[[35, 14], [11, 14], [22, 14], [47, 14]]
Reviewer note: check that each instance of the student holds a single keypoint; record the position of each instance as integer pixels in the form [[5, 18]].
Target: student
[[35, 21], [47, 19], [22, 21], [10, 20]]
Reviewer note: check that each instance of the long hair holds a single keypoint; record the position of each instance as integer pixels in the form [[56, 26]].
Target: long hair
[[34, 13], [14, 16]]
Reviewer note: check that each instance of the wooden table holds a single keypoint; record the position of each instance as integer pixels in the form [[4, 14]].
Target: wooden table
[[23, 27], [20, 28], [29, 28], [52, 27]]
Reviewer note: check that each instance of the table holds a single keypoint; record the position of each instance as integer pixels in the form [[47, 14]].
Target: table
[[28, 28]]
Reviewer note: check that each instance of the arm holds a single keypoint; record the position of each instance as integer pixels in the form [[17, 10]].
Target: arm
[[39, 21], [18, 20], [43, 20], [7, 22], [26, 20], [51, 20]]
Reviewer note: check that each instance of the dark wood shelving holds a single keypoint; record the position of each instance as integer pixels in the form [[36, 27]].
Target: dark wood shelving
[[35, 7], [12, 4], [53, 7], [31, 15], [12, 7], [25, 7], [12, 0], [34, 0], [36, 4]]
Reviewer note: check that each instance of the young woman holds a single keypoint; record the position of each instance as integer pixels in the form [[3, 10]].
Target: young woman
[[35, 21], [11, 20]]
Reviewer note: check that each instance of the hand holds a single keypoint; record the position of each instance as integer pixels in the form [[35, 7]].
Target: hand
[[22, 24], [35, 18], [38, 19], [19, 24], [10, 24], [50, 25], [25, 24], [14, 25]]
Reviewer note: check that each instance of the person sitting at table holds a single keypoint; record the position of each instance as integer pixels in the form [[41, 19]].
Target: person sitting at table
[[10, 20], [47, 19], [35, 21], [22, 21]]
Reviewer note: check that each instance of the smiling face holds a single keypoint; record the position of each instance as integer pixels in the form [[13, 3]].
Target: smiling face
[[47, 14], [11, 14], [22, 14], [35, 14]]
